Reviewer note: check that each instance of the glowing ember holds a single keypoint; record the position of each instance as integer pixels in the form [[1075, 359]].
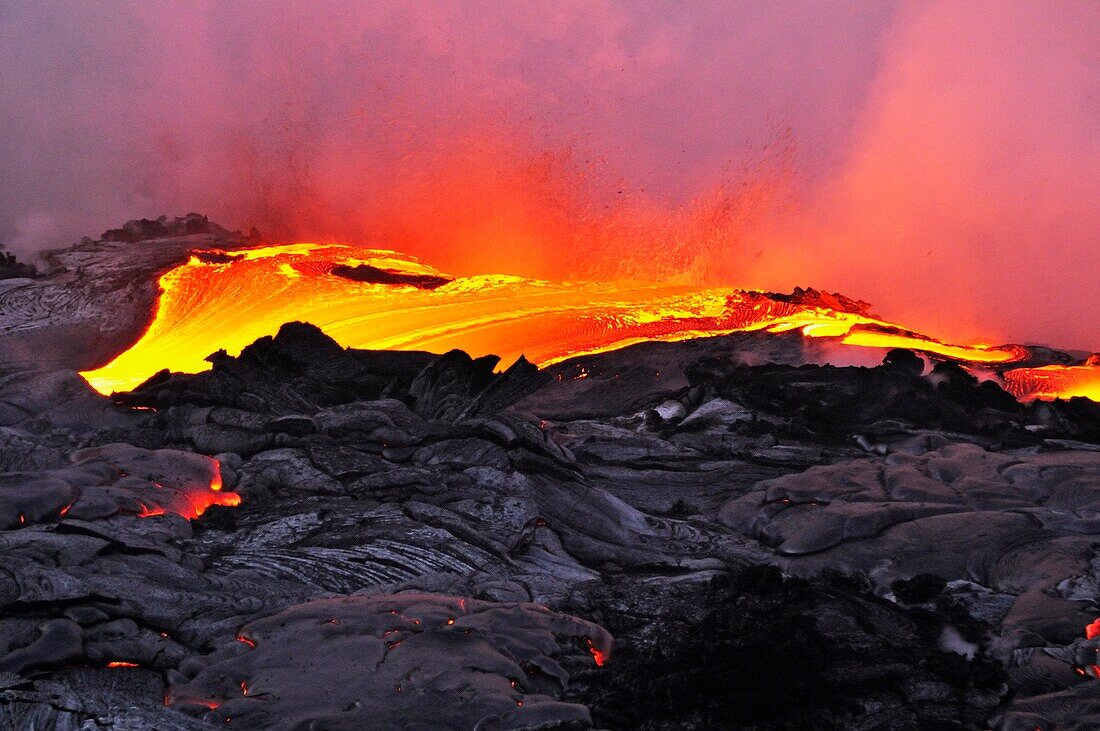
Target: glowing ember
[[377, 299], [121, 664], [1092, 631], [599, 656], [147, 512]]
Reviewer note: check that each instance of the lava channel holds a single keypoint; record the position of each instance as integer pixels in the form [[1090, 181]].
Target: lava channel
[[375, 299]]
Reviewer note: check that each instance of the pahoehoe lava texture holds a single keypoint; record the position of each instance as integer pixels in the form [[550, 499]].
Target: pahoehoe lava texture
[[431, 661], [425, 542]]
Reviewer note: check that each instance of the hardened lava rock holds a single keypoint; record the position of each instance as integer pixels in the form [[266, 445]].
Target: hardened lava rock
[[773, 543], [410, 661], [113, 479]]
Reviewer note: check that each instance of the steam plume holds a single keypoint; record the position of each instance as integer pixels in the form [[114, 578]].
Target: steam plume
[[939, 159]]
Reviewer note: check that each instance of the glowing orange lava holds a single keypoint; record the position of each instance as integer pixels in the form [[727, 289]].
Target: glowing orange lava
[[1054, 381], [374, 299], [598, 655], [188, 501]]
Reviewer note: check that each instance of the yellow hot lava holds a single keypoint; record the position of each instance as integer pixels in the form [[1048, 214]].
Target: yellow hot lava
[[1054, 381], [228, 299]]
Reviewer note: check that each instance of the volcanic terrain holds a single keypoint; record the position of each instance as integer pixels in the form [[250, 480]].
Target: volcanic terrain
[[702, 520]]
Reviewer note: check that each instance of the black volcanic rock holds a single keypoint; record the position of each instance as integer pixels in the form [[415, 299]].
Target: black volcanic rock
[[295, 347], [825, 300], [920, 589], [161, 228], [299, 368], [904, 361], [835, 403], [753, 649], [405, 661], [444, 388], [374, 275], [646, 491], [456, 386], [12, 268]]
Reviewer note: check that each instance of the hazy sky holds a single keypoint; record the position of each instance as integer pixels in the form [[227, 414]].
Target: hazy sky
[[941, 160]]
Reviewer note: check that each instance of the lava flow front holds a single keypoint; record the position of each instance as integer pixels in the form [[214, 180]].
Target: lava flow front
[[378, 299], [1055, 381]]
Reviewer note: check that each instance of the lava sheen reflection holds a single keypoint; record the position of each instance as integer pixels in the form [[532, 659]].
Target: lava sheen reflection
[[374, 299]]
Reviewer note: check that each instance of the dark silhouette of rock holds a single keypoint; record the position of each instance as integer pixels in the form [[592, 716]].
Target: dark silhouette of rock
[[920, 589], [904, 361], [161, 228], [374, 275], [12, 268], [756, 650]]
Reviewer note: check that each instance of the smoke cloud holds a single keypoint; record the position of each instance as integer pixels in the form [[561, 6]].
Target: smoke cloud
[[941, 160]]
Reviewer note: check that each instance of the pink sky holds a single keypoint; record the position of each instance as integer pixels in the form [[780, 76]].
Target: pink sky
[[941, 160]]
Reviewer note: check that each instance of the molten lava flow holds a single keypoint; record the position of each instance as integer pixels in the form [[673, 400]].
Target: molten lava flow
[[1054, 381], [187, 500], [383, 300], [598, 655]]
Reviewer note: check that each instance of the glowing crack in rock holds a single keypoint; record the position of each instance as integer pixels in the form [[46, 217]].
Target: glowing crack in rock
[[376, 299], [154, 482]]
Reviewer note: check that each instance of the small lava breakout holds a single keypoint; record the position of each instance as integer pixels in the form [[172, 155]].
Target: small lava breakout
[[550, 366]]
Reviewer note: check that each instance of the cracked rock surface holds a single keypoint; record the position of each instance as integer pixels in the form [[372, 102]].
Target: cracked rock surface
[[422, 660]]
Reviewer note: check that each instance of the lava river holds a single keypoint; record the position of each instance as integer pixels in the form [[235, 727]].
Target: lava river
[[374, 299]]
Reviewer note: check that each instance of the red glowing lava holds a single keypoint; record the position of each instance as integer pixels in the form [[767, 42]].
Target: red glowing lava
[[187, 500], [147, 512], [598, 655]]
